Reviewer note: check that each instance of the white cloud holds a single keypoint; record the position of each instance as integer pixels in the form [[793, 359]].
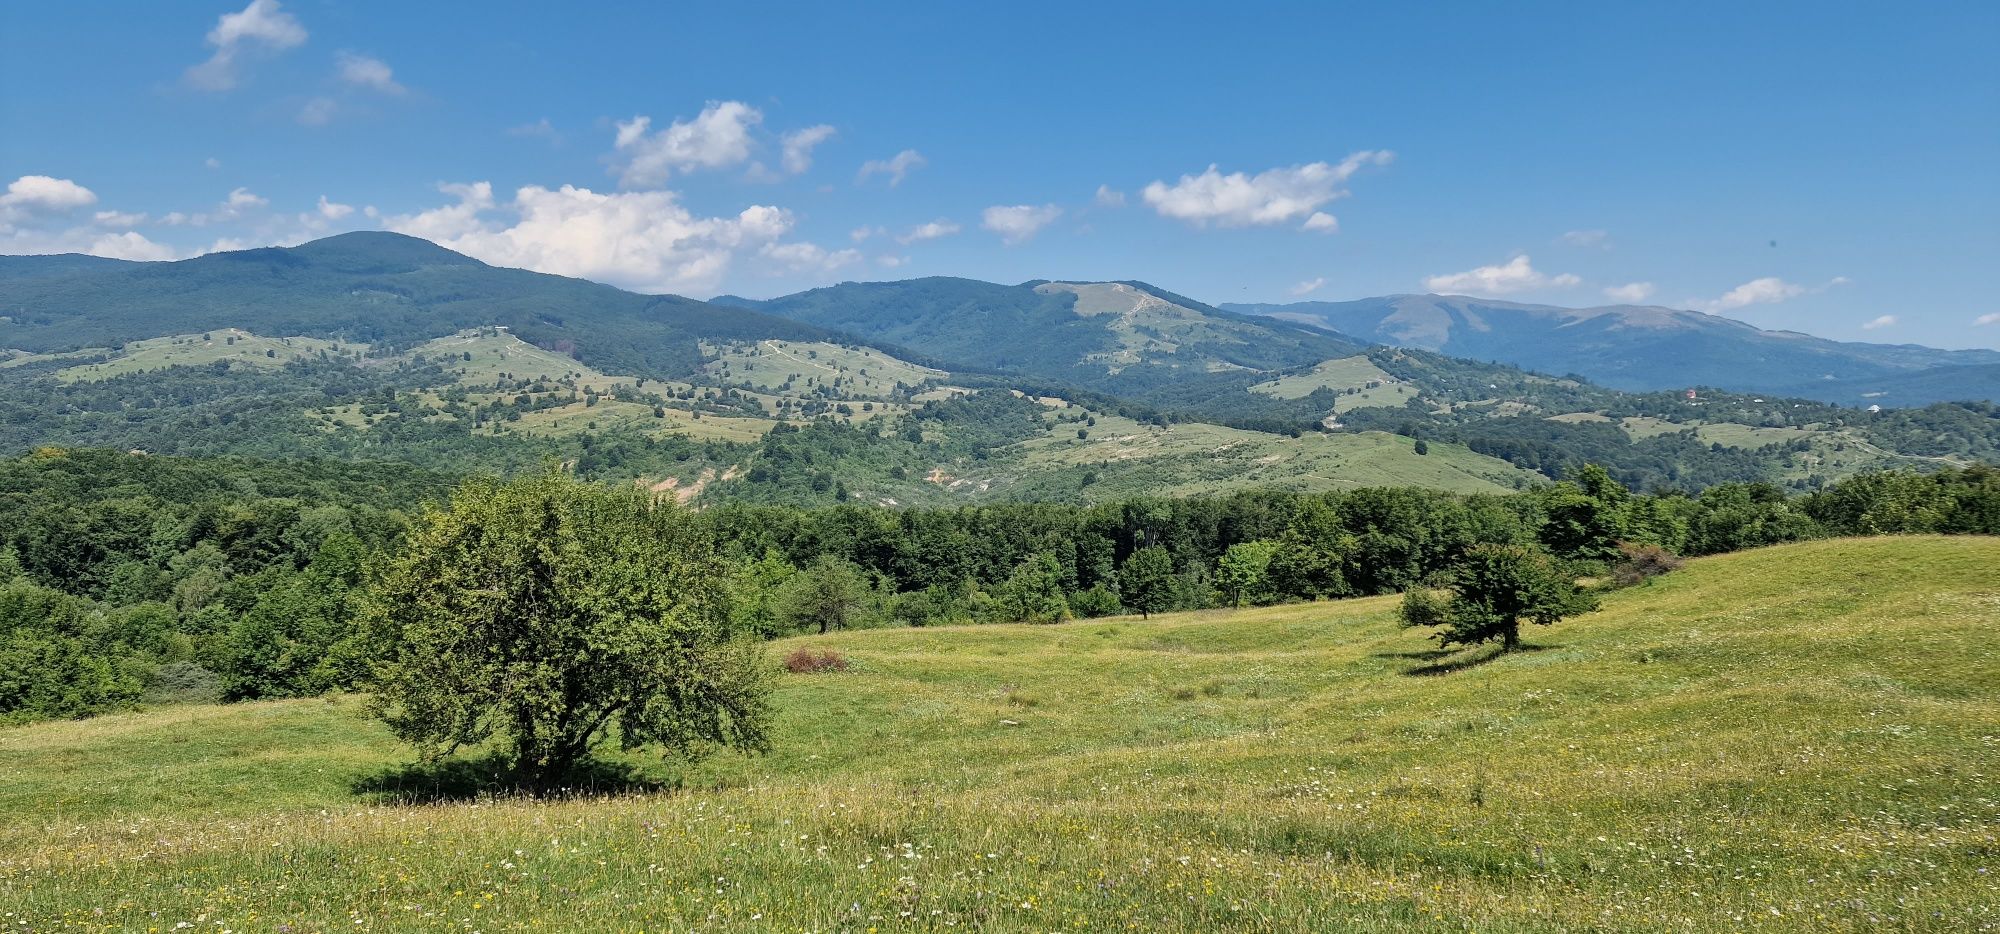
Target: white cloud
[[798, 146], [1766, 291], [42, 194], [129, 245], [807, 257], [1321, 222], [1018, 223], [1274, 196], [719, 136], [891, 260], [261, 25], [1631, 292], [332, 211], [896, 166], [317, 111], [1515, 275], [1108, 197], [212, 162], [1588, 239], [1886, 321], [930, 231], [118, 218], [644, 240], [1309, 286], [1984, 320], [364, 71], [863, 232]]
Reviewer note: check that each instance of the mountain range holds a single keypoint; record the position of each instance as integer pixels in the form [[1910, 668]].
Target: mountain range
[[1644, 347], [381, 346]]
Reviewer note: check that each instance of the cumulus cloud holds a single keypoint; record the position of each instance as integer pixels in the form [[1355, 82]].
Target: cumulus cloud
[[42, 194], [804, 257], [1769, 290], [332, 211], [1018, 223], [118, 218], [1309, 286], [645, 240], [1588, 239], [1109, 197], [930, 231], [1274, 196], [1515, 275], [1631, 292], [797, 146], [716, 138], [1884, 321], [259, 26], [1984, 320], [130, 245], [896, 167], [1321, 222], [364, 71]]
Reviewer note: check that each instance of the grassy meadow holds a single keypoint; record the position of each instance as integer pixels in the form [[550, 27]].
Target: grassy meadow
[[1800, 738]]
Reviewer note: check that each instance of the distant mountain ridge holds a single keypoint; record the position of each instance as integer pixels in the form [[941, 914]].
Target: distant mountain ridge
[[366, 286], [1644, 347]]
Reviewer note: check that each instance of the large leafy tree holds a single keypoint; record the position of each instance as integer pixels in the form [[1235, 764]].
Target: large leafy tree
[[1494, 589], [547, 610], [831, 593]]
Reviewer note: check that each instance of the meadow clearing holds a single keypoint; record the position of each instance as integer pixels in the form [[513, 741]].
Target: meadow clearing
[[1803, 737]]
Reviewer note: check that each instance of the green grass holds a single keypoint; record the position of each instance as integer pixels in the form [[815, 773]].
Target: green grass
[[1131, 458], [225, 344], [1802, 738], [856, 372], [1375, 387]]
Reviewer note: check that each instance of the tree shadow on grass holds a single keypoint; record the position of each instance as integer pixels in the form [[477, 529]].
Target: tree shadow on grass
[[491, 777], [1443, 662]]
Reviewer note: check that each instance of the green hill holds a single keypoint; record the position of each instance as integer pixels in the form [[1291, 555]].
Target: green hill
[[1799, 738]]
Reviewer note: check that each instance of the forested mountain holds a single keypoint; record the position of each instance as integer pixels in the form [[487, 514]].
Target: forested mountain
[[1126, 338], [1641, 348], [369, 287], [380, 347]]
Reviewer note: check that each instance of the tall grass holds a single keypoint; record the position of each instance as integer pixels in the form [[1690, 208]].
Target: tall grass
[[1801, 738]]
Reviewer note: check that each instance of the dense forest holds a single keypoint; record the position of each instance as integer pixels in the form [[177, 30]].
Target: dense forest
[[134, 579]]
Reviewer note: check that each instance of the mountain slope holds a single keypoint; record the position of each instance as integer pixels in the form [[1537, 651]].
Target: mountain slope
[[1127, 338], [1640, 348], [1793, 735], [368, 287]]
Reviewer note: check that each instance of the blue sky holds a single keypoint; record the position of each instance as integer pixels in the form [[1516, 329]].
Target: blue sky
[[1826, 167]]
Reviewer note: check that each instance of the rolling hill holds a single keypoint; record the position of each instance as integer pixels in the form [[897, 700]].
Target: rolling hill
[[1640, 348], [1786, 739]]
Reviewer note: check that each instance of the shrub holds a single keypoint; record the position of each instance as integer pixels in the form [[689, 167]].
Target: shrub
[[1638, 563], [808, 661]]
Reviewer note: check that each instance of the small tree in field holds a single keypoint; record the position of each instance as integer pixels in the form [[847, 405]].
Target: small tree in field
[[1493, 589], [831, 593], [544, 611], [1146, 582]]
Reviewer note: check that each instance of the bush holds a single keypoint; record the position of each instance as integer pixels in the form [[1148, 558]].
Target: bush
[[1637, 564], [809, 661]]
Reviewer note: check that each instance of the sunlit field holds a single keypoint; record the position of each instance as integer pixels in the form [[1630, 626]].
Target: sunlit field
[[1798, 738]]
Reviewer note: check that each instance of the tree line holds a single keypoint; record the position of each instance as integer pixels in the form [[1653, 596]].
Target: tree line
[[127, 579]]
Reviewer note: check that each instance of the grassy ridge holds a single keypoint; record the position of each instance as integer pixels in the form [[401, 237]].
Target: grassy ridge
[[1799, 738]]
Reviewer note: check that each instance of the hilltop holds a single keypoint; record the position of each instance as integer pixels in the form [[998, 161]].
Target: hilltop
[[1795, 738]]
